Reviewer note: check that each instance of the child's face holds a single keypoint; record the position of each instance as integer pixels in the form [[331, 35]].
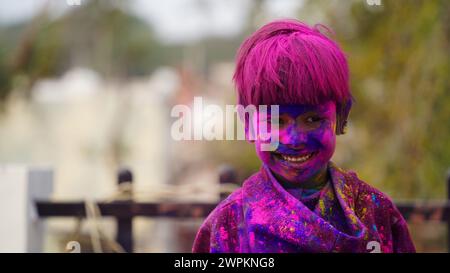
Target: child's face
[[307, 140]]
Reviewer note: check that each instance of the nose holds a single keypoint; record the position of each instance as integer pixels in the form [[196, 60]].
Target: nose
[[293, 137]]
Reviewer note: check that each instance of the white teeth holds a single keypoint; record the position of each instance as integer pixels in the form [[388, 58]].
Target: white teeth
[[298, 159]]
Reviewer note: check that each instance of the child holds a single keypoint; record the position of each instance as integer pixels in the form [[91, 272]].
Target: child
[[299, 201]]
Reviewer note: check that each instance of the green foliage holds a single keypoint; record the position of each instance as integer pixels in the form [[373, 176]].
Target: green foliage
[[399, 60]]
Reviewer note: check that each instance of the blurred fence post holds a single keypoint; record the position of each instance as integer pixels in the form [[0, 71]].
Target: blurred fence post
[[20, 227], [124, 235]]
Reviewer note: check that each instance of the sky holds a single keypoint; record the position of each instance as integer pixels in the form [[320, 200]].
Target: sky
[[175, 21]]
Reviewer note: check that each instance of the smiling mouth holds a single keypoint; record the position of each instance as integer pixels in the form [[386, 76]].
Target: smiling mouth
[[296, 159]]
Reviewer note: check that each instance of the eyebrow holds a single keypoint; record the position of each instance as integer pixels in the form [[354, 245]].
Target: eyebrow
[[310, 112]]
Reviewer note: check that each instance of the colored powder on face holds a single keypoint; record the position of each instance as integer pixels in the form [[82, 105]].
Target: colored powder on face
[[308, 130]]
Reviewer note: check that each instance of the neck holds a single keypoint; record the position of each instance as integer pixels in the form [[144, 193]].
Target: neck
[[317, 181]]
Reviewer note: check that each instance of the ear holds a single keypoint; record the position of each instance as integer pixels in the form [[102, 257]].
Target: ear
[[342, 113]]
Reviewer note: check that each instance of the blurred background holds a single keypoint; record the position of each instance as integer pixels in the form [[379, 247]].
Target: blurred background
[[88, 88]]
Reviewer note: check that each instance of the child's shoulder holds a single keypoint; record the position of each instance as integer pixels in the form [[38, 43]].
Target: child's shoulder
[[235, 198], [366, 193]]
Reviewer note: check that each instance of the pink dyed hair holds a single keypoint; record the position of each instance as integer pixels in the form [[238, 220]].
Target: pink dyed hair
[[289, 62]]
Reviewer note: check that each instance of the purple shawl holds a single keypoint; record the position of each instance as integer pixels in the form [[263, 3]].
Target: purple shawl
[[262, 217]]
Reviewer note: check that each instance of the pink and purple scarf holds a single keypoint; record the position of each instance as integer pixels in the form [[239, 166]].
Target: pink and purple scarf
[[262, 217]]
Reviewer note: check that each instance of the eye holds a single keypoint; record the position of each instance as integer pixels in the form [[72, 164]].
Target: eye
[[313, 119]]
